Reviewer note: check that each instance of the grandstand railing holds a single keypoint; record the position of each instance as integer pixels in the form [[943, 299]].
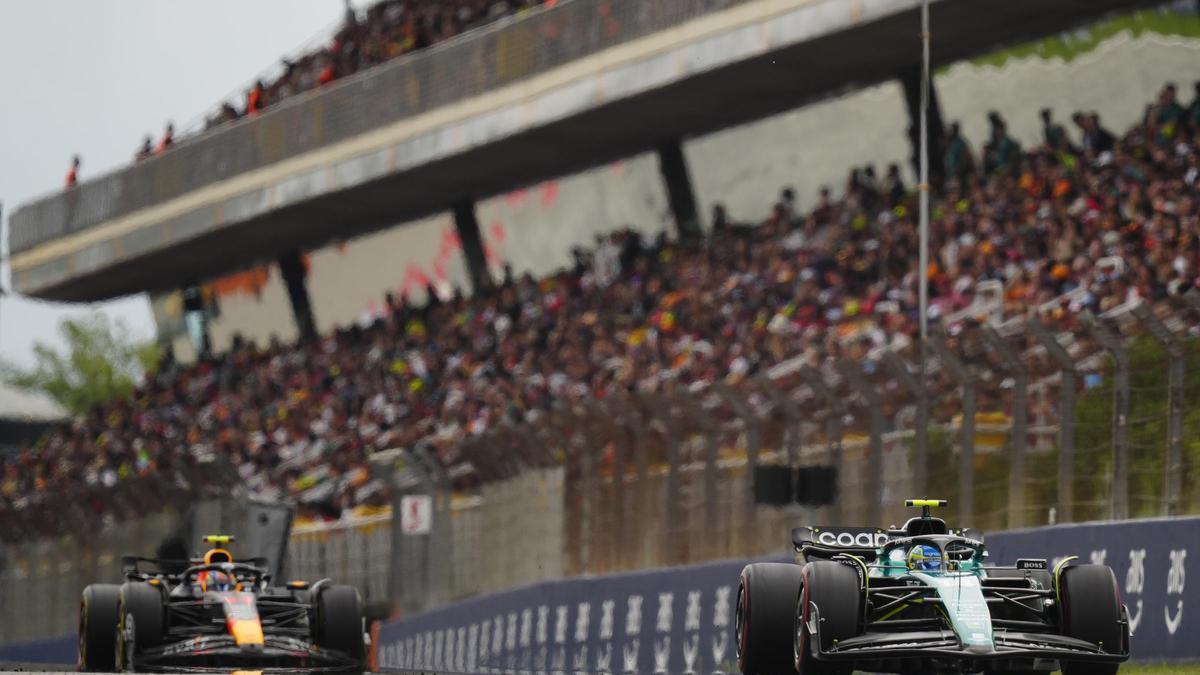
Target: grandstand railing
[[665, 478], [482, 60]]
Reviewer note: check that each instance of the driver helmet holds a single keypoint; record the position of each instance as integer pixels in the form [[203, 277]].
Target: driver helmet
[[925, 558], [218, 581]]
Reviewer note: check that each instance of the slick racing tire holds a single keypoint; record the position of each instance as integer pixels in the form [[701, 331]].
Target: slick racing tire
[[339, 623], [835, 589], [766, 608], [98, 628], [1091, 611], [140, 622]]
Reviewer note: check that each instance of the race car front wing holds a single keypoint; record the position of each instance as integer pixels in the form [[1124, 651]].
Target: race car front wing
[[1009, 646], [210, 653]]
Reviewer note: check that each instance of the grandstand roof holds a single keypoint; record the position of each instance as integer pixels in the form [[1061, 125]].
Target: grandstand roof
[[411, 137]]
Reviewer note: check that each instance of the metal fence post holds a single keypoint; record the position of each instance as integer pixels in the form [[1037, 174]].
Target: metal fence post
[[664, 414], [900, 370], [384, 465], [1018, 435], [617, 408], [1066, 423], [833, 427], [441, 536], [701, 421], [639, 427], [852, 371], [1111, 342], [1173, 466], [966, 451], [751, 425]]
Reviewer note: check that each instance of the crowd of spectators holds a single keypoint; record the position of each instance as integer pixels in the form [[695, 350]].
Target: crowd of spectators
[[388, 29], [299, 421]]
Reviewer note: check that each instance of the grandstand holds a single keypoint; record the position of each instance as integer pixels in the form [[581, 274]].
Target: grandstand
[[703, 329]]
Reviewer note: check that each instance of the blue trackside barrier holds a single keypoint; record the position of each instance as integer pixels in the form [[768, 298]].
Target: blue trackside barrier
[[672, 620], [681, 619], [55, 650], [1150, 560]]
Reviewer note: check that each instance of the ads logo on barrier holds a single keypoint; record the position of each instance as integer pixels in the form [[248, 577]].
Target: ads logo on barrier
[[1135, 583], [1175, 580]]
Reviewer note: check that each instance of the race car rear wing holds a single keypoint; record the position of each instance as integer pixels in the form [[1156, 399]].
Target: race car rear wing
[[825, 542], [813, 541], [132, 566]]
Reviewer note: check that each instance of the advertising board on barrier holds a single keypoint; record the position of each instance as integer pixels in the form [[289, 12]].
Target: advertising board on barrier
[[673, 620], [681, 619], [1150, 561]]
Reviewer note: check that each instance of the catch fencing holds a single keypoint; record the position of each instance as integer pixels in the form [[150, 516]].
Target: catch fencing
[[476, 62], [52, 550], [1069, 417]]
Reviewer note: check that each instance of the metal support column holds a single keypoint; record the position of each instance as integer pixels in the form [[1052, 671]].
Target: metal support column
[[1018, 435], [852, 371], [678, 180], [1111, 342], [1066, 423], [467, 227], [291, 268]]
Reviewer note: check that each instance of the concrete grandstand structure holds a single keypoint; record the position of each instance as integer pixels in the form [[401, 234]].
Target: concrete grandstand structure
[[554, 92]]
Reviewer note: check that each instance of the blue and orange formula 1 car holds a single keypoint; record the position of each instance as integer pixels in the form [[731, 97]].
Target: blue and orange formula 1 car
[[215, 613], [919, 599]]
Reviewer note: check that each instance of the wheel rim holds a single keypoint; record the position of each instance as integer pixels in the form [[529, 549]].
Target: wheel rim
[[739, 623], [81, 642], [800, 646]]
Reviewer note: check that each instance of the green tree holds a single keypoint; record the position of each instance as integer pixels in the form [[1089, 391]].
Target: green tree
[[101, 362]]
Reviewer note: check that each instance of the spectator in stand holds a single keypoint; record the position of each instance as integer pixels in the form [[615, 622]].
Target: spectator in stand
[[256, 99], [957, 160], [1168, 111], [1194, 108], [1096, 139], [147, 149], [167, 140], [1001, 153], [73, 172], [1053, 134], [893, 186]]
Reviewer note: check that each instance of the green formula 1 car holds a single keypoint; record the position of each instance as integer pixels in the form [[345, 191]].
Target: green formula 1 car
[[919, 599]]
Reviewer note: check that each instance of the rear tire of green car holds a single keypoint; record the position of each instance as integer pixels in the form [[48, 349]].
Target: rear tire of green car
[[836, 590], [766, 605]]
